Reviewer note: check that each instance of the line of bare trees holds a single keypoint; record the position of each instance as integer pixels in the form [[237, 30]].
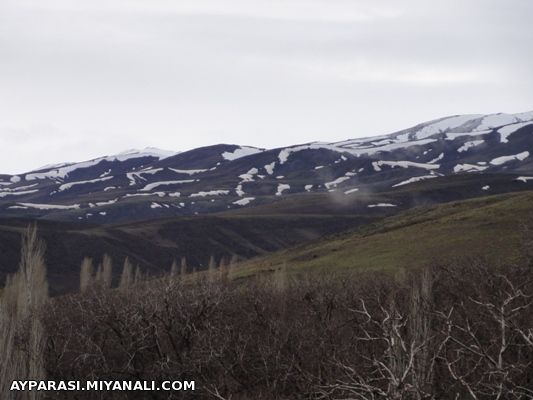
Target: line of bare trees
[[459, 331], [23, 301]]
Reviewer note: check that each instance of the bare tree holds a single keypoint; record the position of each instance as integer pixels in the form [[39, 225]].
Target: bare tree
[[488, 333], [174, 271], [183, 266], [107, 271], [22, 336], [139, 277], [86, 274], [127, 276]]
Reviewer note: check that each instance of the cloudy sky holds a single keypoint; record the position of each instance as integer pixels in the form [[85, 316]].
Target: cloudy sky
[[84, 78]]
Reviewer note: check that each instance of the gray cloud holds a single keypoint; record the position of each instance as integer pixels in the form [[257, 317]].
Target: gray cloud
[[80, 79]]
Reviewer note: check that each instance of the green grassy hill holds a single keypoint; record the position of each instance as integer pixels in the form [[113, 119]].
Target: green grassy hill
[[491, 227]]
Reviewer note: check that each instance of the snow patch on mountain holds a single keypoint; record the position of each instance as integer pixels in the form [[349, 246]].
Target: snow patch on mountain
[[438, 158], [455, 135], [497, 120], [153, 185], [382, 205], [134, 175], [281, 188], [188, 171], [240, 152], [505, 159], [396, 145], [69, 185], [18, 188], [445, 125], [244, 202], [415, 179], [468, 145], [508, 130], [13, 193], [336, 182], [62, 172], [210, 193], [269, 168], [249, 176], [350, 191], [54, 165], [106, 203], [146, 152], [352, 149], [50, 206], [403, 164], [468, 168], [159, 194]]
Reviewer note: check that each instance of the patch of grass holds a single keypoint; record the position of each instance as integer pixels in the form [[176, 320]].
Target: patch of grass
[[489, 227]]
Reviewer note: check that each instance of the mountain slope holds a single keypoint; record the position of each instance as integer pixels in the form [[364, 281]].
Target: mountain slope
[[139, 185], [494, 227], [155, 245], [303, 231]]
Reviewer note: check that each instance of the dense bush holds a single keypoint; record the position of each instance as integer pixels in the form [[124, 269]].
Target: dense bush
[[462, 331]]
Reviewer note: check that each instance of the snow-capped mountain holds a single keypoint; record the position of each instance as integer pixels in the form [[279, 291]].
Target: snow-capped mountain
[[152, 183]]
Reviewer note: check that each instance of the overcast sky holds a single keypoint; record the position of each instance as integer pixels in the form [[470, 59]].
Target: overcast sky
[[84, 78]]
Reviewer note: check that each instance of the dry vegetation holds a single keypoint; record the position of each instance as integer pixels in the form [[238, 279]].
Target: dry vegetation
[[461, 331], [22, 335]]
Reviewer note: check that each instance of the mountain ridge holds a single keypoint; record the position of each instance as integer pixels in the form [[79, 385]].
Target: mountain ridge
[[506, 118], [153, 183]]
